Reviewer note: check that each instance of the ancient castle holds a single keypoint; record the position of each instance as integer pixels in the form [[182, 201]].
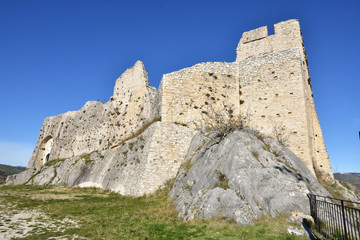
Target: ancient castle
[[141, 134]]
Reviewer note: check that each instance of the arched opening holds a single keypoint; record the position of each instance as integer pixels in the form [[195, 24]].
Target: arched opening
[[47, 158], [43, 155]]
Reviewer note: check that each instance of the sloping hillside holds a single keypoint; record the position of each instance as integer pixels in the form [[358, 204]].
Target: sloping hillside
[[6, 170], [352, 178]]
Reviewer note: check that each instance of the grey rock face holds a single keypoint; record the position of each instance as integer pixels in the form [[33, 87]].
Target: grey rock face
[[241, 177]]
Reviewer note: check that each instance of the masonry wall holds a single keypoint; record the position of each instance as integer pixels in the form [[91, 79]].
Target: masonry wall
[[97, 125], [273, 90], [190, 94], [269, 79], [306, 139]]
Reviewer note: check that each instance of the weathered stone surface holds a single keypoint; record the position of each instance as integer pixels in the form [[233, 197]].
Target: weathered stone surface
[[242, 176], [136, 167], [269, 80], [98, 126]]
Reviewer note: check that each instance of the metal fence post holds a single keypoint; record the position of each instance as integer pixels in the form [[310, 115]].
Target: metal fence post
[[344, 218], [316, 213]]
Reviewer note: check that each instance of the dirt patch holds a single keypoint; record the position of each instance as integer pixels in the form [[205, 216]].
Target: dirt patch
[[22, 223]]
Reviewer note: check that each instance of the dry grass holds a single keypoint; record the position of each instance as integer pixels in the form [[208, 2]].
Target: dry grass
[[106, 215]]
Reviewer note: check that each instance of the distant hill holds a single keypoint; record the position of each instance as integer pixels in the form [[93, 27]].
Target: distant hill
[[352, 178], [6, 170]]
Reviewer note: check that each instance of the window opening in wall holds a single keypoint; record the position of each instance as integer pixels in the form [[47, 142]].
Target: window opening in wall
[[271, 30]]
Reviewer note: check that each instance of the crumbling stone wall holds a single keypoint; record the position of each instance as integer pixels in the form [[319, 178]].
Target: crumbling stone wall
[[141, 135], [97, 125], [135, 167]]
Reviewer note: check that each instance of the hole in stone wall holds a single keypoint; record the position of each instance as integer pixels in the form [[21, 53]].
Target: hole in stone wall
[[271, 30], [44, 152], [320, 165], [291, 93]]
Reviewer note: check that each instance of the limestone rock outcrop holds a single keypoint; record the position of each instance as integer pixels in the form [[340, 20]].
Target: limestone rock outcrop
[[244, 175]]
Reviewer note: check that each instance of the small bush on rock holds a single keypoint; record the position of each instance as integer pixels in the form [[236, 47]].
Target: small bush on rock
[[220, 122]]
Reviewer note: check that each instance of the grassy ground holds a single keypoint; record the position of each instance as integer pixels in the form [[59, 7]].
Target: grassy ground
[[96, 214]]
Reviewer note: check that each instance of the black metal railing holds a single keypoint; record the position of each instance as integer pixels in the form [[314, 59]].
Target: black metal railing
[[335, 218]]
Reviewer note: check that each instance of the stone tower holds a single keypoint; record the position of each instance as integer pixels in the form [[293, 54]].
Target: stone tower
[[269, 78]]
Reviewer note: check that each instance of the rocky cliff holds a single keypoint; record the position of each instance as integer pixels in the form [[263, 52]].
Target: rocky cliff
[[241, 177]]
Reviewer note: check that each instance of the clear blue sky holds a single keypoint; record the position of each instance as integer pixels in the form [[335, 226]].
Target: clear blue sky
[[56, 55]]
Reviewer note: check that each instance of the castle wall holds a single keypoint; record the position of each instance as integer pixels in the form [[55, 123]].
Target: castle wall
[[257, 42], [141, 136], [99, 126], [136, 167], [190, 94], [273, 91], [269, 80], [306, 139]]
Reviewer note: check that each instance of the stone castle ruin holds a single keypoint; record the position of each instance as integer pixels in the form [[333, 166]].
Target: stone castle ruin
[[137, 141]]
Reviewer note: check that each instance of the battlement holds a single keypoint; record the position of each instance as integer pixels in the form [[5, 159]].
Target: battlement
[[257, 42]]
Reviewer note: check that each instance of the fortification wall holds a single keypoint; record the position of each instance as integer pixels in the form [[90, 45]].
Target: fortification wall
[[306, 139], [189, 94], [273, 90], [269, 80], [257, 42], [99, 126], [136, 167]]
